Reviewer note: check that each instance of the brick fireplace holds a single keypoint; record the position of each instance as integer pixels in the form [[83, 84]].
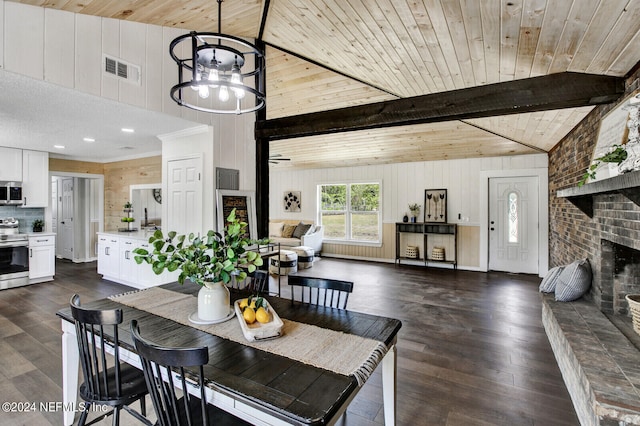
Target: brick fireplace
[[597, 359]]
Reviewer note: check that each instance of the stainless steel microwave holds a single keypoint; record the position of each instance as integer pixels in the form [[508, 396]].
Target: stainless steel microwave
[[10, 193]]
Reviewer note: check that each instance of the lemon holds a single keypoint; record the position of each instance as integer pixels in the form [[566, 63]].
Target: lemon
[[262, 315], [249, 315], [243, 303]]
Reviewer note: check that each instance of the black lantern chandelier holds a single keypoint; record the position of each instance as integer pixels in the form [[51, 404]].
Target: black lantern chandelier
[[217, 68]]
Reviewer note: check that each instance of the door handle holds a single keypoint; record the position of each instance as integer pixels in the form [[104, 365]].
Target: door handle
[[493, 229]]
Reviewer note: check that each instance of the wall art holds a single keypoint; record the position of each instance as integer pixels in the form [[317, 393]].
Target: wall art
[[292, 201], [435, 205]]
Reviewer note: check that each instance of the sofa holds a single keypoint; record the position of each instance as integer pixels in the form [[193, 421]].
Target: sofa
[[293, 233]]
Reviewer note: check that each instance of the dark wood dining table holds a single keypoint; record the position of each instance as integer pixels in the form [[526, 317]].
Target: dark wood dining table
[[258, 386]]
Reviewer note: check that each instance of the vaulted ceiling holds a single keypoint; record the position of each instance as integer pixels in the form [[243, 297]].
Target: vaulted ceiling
[[328, 54]]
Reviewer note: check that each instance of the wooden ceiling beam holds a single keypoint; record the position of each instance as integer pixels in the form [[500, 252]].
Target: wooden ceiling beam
[[549, 92]]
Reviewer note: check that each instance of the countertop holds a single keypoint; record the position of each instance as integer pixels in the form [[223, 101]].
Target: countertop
[[137, 235]]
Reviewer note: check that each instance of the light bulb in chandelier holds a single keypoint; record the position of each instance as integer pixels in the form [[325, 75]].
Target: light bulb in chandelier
[[203, 91], [196, 87], [236, 78], [214, 75], [224, 94]]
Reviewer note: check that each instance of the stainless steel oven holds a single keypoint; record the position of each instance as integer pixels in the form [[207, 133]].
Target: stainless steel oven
[[14, 261], [14, 255]]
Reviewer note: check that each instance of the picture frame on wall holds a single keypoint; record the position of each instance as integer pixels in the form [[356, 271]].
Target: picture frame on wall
[[292, 201], [245, 204], [435, 205]]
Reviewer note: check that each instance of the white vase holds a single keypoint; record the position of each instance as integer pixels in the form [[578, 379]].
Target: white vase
[[213, 301]]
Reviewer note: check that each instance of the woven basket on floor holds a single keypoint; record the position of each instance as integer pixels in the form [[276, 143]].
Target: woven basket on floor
[[634, 307]]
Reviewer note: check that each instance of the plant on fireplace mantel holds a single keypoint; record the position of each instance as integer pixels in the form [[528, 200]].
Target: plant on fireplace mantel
[[617, 154], [210, 261]]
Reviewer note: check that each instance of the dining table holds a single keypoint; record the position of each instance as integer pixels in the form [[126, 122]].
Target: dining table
[[307, 376]]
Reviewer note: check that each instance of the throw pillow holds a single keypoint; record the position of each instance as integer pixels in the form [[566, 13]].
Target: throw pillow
[[574, 281], [301, 230], [287, 230], [275, 229], [548, 284]]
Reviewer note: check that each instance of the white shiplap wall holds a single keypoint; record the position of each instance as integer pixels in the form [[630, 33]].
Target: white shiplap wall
[[404, 183]]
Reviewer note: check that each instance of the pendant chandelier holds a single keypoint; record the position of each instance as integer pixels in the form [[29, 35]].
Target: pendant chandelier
[[216, 68]]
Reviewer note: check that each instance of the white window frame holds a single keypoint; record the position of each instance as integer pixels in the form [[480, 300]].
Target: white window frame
[[348, 213]]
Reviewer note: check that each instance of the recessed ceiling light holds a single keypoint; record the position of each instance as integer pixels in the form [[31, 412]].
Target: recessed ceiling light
[[126, 130], [88, 139], [59, 146]]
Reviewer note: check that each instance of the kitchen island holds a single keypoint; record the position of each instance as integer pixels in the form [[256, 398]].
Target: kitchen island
[[116, 262]]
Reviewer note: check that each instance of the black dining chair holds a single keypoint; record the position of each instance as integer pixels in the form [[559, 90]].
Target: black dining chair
[[320, 291], [165, 368], [259, 282], [119, 385]]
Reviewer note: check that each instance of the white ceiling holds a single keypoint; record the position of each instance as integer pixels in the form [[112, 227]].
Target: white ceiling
[[37, 115]]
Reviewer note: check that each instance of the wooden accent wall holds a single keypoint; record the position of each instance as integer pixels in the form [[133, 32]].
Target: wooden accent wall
[[71, 166], [117, 178]]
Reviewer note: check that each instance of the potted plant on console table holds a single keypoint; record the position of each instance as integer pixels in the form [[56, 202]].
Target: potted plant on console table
[[210, 261]]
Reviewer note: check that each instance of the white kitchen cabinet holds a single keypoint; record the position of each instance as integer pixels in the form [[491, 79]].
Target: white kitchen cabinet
[[35, 178], [116, 261], [42, 258], [108, 257], [11, 170]]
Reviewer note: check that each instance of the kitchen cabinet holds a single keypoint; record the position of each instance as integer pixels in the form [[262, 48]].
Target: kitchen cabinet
[[35, 178], [11, 170], [108, 261], [42, 257], [116, 261]]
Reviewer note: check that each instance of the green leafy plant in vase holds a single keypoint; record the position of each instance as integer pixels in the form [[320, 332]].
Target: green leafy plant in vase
[[414, 208], [37, 225], [210, 261]]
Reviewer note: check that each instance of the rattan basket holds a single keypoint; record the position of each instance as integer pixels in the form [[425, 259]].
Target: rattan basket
[[411, 252], [634, 306], [437, 253]]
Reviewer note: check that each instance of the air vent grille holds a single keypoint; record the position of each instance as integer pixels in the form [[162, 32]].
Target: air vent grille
[[121, 69]]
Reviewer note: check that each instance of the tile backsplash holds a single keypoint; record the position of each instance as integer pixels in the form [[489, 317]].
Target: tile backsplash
[[25, 216]]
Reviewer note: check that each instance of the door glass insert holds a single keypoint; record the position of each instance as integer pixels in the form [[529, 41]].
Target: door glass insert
[[513, 217]]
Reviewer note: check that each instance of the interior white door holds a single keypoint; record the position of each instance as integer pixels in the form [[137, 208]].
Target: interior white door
[[184, 196], [513, 224], [65, 219]]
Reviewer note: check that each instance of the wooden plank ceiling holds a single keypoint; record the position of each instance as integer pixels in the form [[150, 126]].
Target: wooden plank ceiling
[[328, 54]]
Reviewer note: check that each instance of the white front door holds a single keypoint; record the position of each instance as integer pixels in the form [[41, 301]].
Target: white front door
[[513, 224], [184, 196], [65, 220]]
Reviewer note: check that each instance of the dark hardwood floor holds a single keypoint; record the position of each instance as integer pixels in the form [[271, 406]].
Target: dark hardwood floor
[[471, 351]]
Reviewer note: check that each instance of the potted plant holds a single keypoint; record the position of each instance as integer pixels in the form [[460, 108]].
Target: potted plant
[[617, 154], [415, 211], [37, 225], [210, 261]]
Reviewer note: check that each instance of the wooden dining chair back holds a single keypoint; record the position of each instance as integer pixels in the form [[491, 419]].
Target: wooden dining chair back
[[119, 385], [320, 291], [168, 368], [259, 282]]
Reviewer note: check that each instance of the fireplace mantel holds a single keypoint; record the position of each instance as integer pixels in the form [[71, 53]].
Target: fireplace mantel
[[627, 184]]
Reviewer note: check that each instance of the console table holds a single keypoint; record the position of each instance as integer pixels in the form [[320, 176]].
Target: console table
[[427, 230]]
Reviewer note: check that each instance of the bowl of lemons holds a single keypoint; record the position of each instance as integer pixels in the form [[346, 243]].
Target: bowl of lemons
[[258, 320]]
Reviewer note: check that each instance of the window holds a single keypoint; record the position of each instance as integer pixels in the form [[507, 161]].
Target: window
[[513, 217], [351, 212]]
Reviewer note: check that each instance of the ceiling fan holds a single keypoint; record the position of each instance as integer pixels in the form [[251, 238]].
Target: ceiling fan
[[277, 158]]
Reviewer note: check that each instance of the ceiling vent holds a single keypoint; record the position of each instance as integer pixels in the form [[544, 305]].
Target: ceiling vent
[[123, 70]]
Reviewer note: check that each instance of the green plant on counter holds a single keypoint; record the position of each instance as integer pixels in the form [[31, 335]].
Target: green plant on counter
[[37, 225], [617, 155], [214, 257]]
